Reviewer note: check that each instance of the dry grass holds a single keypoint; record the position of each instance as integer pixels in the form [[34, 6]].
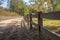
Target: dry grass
[[7, 14], [50, 24]]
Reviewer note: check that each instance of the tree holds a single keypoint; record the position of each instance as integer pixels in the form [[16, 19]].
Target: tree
[[44, 5], [57, 5], [17, 6], [36, 4]]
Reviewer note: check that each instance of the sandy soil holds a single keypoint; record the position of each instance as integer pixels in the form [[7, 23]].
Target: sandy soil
[[10, 22]]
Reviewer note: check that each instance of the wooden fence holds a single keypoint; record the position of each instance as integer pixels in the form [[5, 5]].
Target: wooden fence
[[43, 32]]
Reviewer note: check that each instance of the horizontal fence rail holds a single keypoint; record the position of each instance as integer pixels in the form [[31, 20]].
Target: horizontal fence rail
[[34, 15], [34, 24], [43, 32], [51, 15], [48, 34]]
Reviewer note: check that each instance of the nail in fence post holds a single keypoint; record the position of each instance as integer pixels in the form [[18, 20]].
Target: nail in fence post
[[40, 25]]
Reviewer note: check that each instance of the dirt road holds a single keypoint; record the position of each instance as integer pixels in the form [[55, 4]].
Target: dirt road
[[10, 22], [15, 29]]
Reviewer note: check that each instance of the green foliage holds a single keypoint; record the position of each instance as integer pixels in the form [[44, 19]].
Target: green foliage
[[52, 27], [18, 6], [26, 10], [53, 5], [36, 6], [58, 7]]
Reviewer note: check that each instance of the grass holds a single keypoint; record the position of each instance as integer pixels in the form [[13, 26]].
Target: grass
[[35, 20], [48, 23], [4, 14], [8, 13], [52, 27]]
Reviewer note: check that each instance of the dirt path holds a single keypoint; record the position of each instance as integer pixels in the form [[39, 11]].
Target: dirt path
[[10, 22], [15, 29]]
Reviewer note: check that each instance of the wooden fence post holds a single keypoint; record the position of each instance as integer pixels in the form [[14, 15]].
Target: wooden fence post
[[27, 20], [40, 25], [30, 21]]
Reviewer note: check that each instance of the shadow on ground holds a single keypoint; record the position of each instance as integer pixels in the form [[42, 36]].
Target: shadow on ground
[[18, 33]]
